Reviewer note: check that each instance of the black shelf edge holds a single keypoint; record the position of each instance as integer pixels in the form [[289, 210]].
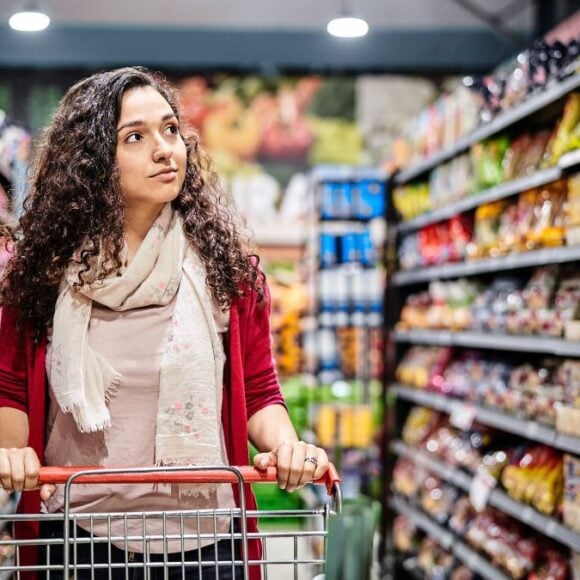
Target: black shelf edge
[[503, 263], [492, 418], [499, 123], [448, 541], [499, 499], [510, 342], [490, 195]]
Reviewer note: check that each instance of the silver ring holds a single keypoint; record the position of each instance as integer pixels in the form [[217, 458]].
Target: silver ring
[[312, 460]]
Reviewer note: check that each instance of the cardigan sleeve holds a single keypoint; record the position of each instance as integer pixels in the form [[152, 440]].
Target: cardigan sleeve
[[13, 386], [260, 376]]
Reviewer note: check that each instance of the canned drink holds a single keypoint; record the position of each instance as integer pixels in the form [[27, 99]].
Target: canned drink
[[366, 249], [349, 251], [328, 253], [327, 210], [343, 200], [370, 199]]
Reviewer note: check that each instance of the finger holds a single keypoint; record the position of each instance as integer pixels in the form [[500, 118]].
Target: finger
[[296, 466], [17, 469], [284, 458], [5, 472], [308, 467], [323, 464], [47, 491], [31, 469], [265, 460]]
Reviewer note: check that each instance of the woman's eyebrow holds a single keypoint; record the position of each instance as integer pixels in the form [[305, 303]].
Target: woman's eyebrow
[[140, 122]]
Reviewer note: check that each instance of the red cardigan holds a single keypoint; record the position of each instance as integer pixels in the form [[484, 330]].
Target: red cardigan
[[251, 383]]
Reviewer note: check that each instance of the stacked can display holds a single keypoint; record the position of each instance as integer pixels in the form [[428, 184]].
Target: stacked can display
[[349, 288], [343, 346]]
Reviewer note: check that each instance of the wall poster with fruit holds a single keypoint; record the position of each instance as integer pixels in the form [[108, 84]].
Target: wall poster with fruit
[[264, 133]]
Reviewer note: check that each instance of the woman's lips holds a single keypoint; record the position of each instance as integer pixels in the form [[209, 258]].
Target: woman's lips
[[166, 176]]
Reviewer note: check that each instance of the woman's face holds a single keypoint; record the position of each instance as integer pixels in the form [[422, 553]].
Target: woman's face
[[151, 154]]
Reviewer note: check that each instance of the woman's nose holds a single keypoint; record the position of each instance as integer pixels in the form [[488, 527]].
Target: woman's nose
[[162, 150]]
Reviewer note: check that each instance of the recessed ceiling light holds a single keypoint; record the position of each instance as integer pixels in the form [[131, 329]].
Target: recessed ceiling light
[[348, 27], [29, 21]]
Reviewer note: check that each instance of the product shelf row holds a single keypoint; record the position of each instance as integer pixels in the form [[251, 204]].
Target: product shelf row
[[490, 195], [508, 342], [504, 120], [498, 498], [447, 540], [491, 417], [500, 264]]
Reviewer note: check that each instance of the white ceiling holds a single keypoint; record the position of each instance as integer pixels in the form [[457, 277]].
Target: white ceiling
[[270, 14]]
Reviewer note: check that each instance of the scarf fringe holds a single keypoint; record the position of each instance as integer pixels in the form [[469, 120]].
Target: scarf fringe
[[185, 462], [189, 490], [94, 427]]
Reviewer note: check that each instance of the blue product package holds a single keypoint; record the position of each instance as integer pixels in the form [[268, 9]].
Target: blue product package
[[349, 248], [370, 200], [366, 248], [328, 253]]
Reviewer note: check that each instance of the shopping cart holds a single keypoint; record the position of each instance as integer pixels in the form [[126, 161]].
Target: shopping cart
[[80, 553]]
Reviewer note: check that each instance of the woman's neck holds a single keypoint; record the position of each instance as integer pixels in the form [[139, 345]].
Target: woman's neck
[[138, 222]]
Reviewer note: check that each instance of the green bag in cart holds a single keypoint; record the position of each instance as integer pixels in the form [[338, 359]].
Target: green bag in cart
[[349, 552]]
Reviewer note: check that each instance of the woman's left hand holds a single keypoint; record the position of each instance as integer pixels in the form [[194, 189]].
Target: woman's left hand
[[298, 463]]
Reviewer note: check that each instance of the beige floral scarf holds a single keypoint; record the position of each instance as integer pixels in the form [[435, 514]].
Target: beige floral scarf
[[191, 378]]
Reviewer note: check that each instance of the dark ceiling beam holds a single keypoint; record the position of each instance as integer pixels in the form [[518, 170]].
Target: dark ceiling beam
[[513, 8], [391, 50], [494, 22]]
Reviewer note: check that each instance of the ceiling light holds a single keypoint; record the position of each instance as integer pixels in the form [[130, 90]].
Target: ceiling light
[[347, 27], [30, 19]]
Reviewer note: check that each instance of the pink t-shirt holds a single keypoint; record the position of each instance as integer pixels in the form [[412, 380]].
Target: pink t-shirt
[[132, 342]]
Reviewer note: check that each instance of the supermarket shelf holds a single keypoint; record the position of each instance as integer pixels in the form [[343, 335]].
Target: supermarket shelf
[[448, 541], [450, 474], [498, 498], [487, 196], [493, 418], [539, 344], [472, 268], [499, 123]]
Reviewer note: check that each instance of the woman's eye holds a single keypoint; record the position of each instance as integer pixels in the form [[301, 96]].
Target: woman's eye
[[134, 138], [173, 129]]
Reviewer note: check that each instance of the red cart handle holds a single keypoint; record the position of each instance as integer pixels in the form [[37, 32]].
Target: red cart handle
[[249, 475]]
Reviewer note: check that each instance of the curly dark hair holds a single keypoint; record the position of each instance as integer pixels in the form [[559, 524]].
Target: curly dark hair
[[75, 197]]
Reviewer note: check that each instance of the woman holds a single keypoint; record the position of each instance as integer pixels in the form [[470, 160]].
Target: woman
[[134, 317]]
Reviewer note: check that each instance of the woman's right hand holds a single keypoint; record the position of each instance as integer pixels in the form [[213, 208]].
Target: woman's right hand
[[19, 469]]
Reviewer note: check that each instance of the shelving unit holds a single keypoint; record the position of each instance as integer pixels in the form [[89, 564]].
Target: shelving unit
[[501, 264], [540, 107], [447, 540], [512, 342], [502, 121], [492, 418], [498, 498]]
